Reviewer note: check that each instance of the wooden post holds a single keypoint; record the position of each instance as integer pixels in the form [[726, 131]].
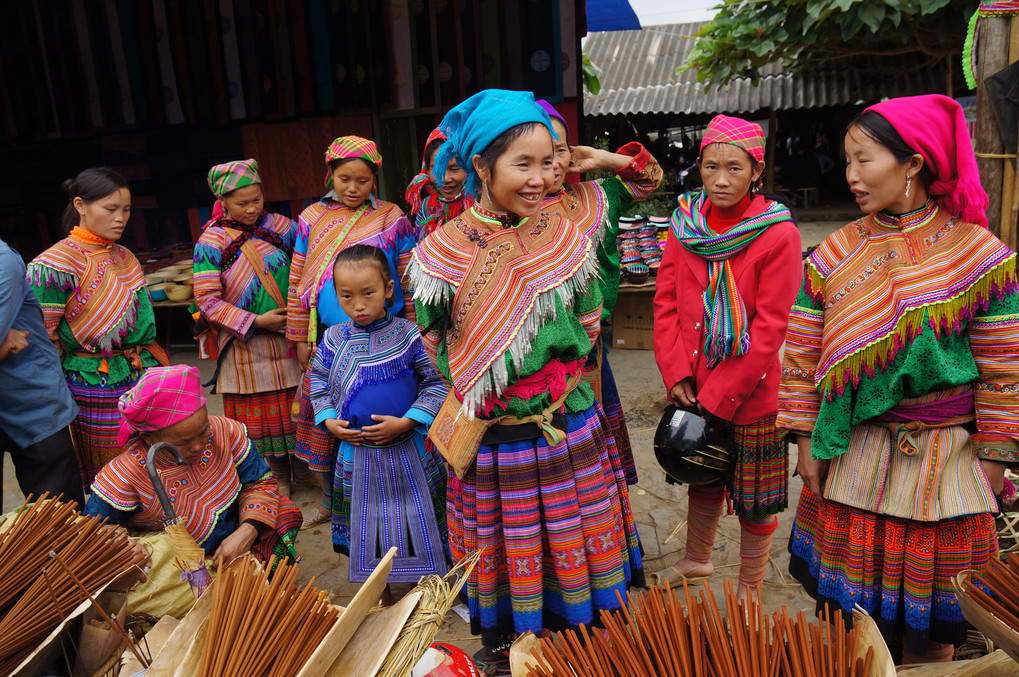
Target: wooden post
[[992, 57], [1010, 191]]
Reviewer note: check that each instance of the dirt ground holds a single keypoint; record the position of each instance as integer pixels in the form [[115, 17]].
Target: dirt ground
[[660, 508]]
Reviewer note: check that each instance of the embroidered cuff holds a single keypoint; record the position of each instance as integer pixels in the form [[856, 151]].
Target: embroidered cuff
[[259, 502], [641, 157], [993, 447], [246, 327], [324, 414], [422, 418]]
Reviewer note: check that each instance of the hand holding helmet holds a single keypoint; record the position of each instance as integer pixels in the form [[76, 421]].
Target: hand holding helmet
[[695, 449]]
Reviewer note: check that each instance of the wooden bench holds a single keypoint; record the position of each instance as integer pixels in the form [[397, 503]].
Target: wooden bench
[[802, 193]]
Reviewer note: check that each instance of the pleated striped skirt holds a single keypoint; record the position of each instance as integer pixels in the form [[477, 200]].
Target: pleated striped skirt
[[899, 570], [267, 417], [314, 446], [555, 527], [95, 429], [760, 482]]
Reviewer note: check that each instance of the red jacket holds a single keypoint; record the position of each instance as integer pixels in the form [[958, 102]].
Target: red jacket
[[768, 274]]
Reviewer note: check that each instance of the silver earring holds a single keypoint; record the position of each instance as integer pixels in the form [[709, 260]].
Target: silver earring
[[484, 189], [909, 182]]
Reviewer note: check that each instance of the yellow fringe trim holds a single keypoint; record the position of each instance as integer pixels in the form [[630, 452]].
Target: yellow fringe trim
[[815, 281], [877, 354]]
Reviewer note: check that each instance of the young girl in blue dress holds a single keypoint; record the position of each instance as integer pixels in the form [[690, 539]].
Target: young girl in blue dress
[[373, 387]]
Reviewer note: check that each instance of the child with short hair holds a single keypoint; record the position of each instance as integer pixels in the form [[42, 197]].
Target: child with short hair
[[374, 389]]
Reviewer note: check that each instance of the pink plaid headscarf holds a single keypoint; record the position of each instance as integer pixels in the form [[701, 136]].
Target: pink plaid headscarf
[[935, 127], [740, 133], [163, 396], [351, 147]]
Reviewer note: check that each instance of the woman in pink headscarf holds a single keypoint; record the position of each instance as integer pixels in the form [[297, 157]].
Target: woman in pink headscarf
[[223, 491], [728, 277], [899, 382]]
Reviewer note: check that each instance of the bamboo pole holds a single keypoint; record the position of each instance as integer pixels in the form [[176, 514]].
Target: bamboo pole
[[992, 52], [1010, 192]]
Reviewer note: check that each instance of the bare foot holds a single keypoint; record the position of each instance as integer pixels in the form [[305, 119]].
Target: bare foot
[[691, 569], [318, 516], [749, 596]]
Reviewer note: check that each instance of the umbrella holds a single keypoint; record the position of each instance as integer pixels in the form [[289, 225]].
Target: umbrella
[[189, 558]]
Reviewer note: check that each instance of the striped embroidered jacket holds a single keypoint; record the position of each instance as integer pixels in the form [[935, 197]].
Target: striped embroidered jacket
[[905, 310], [382, 224], [232, 296], [595, 206], [94, 301], [229, 484]]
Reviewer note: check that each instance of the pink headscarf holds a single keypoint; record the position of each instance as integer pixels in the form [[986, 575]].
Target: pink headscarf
[[746, 135], [163, 396], [935, 127]]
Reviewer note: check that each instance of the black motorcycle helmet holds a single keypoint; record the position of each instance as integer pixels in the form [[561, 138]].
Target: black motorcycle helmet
[[695, 450]]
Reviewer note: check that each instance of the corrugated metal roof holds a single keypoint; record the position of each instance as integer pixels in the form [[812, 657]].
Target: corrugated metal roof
[[639, 76]]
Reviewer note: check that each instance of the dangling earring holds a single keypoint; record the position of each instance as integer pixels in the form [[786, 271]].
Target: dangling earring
[[484, 189], [909, 182]]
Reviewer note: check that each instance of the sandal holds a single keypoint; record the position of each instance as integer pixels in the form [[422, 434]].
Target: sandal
[[669, 576], [313, 520]]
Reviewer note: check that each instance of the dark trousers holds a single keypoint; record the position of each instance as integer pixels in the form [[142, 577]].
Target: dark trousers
[[48, 465]]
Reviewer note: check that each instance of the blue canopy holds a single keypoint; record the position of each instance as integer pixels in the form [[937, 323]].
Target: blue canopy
[[611, 15]]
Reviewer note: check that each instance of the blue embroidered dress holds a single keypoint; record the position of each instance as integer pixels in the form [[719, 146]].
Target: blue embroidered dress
[[390, 495]]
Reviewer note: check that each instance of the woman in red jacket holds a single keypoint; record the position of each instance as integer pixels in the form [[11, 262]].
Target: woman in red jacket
[[729, 276]]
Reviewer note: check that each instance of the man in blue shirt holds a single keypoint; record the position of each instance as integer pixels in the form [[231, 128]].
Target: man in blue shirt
[[35, 404]]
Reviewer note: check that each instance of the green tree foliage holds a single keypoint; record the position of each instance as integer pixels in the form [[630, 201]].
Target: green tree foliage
[[746, 35], [592, 76]]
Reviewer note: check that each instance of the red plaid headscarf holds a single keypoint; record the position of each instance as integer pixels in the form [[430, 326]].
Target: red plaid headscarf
[[740, 133], [163, 396], [421, 187], [351, 147]]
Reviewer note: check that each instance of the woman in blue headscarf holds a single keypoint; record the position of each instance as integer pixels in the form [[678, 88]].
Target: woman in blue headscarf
[[507, 297]]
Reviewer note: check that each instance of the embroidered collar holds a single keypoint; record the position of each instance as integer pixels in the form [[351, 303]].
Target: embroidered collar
[[498, 220], [567, 195], [909, 220], [380, 323], [455, 198], [88, 237], [331, 197]]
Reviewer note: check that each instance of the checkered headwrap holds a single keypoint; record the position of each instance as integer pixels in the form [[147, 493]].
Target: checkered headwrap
[[740, 133], [351, 147], [163, 396], [230, 176]]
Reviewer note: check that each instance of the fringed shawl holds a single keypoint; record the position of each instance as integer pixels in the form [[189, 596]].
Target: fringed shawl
[[880, 280], [501, 288], [102, 306], [583, 203]]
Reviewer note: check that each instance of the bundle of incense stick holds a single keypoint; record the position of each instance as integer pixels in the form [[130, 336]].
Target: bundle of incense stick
[[654, 635], [51, 560], [1001, 578], [262, 625]]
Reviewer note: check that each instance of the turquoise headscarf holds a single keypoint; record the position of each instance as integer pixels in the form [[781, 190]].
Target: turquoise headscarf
[[476, 122]]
